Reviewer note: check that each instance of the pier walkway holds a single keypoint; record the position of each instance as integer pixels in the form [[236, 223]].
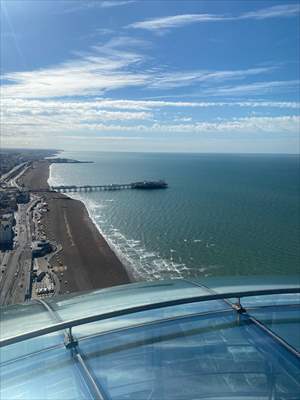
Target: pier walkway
[[89, 188]]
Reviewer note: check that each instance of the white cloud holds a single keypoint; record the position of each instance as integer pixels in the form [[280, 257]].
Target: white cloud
[[176, 21], [272, 125], [101, 138], [116, 65], [66, 115], [115, 3], [100, 108], [181, 79], [78, 120], [85, 5], [108, 68], [67, 98], [255, 88], [269, 104], [104, 68], [283, 10], [183, 119]]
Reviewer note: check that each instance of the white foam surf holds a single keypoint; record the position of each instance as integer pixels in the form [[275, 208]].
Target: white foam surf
[[139, 262]]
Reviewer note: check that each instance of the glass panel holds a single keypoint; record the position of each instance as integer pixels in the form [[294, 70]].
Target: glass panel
[[127, 321], [120, 297], [31, 316], [245, 283], [21, 318], [50, 375], [30, 346], [198, 357], [272, 299], [285, 323]]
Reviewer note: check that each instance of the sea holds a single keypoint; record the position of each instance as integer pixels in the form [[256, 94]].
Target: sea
[[222, 214]]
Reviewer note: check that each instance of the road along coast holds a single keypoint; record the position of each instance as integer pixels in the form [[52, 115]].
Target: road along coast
[[86, 261]]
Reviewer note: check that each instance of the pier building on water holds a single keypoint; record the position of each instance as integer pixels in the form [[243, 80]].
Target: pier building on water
[[147, 185]]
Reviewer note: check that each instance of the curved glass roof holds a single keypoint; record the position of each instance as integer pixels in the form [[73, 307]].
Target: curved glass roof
[[226, 338]]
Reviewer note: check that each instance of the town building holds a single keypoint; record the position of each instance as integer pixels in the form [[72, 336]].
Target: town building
[[8, 200], [22, 197], [6, 229], [40, 248]]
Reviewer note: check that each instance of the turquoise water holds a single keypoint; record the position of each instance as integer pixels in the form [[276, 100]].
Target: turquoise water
[[221, 215]]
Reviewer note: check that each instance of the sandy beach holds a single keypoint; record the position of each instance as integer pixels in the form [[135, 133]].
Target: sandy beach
[[86, 261]]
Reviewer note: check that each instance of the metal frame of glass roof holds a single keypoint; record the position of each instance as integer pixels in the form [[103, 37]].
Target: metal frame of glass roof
[[146, 307], [99, 393], [242, 313]]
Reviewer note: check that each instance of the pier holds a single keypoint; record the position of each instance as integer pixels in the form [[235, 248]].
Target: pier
[[146, 185]]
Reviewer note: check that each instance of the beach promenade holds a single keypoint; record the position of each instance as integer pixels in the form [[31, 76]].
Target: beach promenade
[[86, 260]]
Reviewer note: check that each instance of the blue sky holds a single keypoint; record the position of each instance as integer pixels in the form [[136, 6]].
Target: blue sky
[[142, 75]]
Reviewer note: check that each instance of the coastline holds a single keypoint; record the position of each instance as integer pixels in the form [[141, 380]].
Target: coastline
[[86, 260]]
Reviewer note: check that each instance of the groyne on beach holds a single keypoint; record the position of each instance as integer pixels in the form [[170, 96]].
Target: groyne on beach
[[86, 261]]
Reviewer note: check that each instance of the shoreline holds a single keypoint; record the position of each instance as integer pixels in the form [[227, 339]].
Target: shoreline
[[86, 261]]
